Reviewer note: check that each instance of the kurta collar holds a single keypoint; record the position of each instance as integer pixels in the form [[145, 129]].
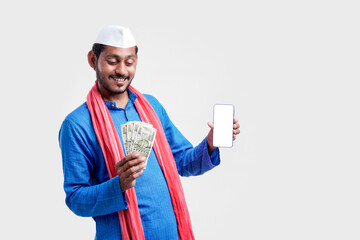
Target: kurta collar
[[112, 105]]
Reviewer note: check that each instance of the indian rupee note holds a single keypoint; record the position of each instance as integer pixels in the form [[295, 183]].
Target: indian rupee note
[[144, 141], [124, 137], [135, 129]]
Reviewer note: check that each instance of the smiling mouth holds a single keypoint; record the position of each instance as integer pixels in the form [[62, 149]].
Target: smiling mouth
[[119, 78]]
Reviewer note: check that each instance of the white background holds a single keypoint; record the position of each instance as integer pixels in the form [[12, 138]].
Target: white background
[[291, 68]]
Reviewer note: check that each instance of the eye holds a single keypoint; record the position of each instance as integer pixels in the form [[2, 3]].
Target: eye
[[129, 63], [112, 62]]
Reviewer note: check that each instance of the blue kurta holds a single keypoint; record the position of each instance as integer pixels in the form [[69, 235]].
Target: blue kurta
[[90, 192]]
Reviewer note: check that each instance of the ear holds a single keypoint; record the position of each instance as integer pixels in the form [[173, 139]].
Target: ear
[[92, 59]]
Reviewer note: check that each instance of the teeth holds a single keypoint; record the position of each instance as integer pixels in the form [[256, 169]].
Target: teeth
[[120, 79]]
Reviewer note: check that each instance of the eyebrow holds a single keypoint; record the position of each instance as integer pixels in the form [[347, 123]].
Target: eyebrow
[[117, 56]]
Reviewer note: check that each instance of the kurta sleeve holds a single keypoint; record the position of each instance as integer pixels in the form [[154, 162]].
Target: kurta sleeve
[[190, 160], [84, 196]]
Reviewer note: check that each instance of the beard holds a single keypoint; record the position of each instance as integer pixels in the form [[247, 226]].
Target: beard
[[107, 85]]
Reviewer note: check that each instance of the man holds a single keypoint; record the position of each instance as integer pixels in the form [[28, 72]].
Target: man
[[126, 200]]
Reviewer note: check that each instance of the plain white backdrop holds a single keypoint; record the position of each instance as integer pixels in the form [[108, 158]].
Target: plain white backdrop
[[291, 68]]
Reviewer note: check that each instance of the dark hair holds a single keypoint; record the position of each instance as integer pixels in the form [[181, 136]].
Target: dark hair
[[98, 48]]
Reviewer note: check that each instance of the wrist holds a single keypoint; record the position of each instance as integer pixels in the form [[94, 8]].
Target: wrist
[[210, 147]]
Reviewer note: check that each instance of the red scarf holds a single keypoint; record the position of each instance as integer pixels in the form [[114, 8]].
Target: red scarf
[[131, 227]]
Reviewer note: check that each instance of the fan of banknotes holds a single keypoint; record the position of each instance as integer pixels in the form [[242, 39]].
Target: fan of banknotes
[[138, 137]]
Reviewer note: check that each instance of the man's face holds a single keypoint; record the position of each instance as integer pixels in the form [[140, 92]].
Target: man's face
[[115, 69]]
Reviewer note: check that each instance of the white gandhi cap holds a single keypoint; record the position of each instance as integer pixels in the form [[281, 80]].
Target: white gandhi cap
[[116, 36]]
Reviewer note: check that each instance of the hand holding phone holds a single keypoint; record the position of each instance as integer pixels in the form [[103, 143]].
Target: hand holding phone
[[223, 125]]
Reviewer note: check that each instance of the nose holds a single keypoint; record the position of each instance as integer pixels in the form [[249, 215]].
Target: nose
[[121, 69]]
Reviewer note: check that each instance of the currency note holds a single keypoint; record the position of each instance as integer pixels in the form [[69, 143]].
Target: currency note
[[135, 129], [138, 137], [144, 141], [124, 137]]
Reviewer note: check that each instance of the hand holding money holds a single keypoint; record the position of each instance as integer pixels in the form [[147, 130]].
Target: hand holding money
[[138, 137], [129, 169]]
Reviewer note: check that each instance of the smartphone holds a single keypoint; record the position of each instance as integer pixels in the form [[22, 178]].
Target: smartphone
[[223, 125]]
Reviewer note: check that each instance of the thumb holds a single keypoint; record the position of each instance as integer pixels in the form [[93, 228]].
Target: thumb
[[210, 124]]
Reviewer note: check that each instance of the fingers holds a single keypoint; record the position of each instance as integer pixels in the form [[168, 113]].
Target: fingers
[[132, 162], [236, 128], [128, 179], [126, 159], [236, 131], [129, 169], [127, 182], [236, 124], [130, 172]]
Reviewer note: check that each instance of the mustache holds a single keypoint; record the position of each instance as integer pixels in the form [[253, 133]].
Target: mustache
[[119, 76]]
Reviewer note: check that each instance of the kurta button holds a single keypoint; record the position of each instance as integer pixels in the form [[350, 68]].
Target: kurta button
[[112, 105]]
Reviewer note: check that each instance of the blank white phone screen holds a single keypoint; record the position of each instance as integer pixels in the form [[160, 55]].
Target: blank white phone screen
[[223, 125]]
